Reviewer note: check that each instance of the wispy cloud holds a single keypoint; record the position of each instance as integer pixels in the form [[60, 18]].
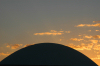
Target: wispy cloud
[[28, 45], [94, 41], [98, 57], [88, 36], [96, 21], [96, 52], [96, 47], [79, 35], [4, 54], [8, 46], [89, 25], [95, 36], [60, 39], [76, 39], [15, 46], [89, 30], [52, 32], [67, 31], [61, 31], [81, 47], [97, 30], [48, 33]]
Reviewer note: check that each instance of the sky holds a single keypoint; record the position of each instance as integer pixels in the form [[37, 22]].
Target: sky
[[73, 23]]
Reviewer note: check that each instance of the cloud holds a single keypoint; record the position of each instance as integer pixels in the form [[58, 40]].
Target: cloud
[[88, 36], [15, 46], [79, 35], [8, 46], [52, 32], [96, 52], [94, 41], [48, 33], [4, 54], [60, 39], [95, 36], [96, 30], [85, 46], [96, 21], [28, 45], [89, 30], [80, 25], [96, 47], [81, 47], [89, 25], [75, 47], [61, 31], [98, 57], [75, 39], [67, 31]]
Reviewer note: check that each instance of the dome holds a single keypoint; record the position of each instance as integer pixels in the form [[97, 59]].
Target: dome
[[47, 54]]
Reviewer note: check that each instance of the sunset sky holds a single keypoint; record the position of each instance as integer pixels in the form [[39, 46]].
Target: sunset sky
[[73, 23]]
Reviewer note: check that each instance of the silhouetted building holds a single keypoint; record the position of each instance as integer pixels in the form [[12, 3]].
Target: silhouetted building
[[48, 54]]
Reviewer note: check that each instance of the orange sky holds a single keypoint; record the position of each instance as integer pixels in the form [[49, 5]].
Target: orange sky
[[73, 23], [86, 44]]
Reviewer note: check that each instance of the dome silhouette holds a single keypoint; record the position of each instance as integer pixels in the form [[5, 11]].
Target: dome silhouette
[[47, 54]]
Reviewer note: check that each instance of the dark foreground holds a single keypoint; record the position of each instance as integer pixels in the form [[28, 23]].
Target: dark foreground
[[47, 54]]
